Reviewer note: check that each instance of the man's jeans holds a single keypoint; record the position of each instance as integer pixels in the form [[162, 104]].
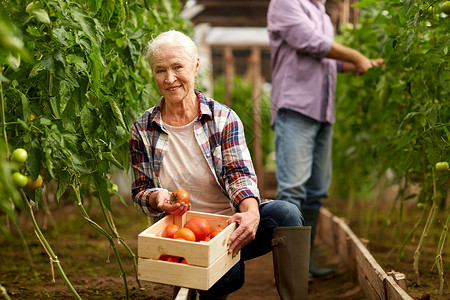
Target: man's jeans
[[272, 214], [303, 156]]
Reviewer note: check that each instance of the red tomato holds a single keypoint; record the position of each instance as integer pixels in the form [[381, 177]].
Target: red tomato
[[200, 227], [163, 257], [179, 196], [215, 231], [184, 233], [207, 239], [183, 261], [172, 258], [169, 231]]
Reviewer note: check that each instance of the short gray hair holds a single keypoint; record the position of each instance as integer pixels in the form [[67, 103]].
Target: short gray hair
[[171, 37]]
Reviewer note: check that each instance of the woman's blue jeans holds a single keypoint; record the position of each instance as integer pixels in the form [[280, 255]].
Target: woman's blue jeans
[[272, 214], [303, 156]]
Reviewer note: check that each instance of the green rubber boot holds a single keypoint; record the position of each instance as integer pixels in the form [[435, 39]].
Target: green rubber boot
[[311, 217], [290, 249]]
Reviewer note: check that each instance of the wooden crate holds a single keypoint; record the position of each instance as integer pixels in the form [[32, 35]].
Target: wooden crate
[[207, 261]]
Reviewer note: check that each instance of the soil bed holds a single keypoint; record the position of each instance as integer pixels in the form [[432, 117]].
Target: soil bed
[[84, 254]]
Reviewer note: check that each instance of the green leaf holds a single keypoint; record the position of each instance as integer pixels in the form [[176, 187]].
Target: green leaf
[[89, 123], [108, 10], [88, 26], [101, 184], [110, 157], [117, 112], [35, 9], [363, 3]]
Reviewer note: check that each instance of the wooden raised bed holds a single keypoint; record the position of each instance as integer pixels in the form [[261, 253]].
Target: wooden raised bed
[[374, 281]]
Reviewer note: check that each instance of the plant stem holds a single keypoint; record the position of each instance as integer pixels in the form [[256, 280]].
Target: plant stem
[[439, 262], [426, 229], [102, 231], [46, 245], [4, 292], [113, 229], [3, 115]]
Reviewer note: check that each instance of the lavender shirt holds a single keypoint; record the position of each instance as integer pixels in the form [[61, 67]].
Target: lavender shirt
[[303, 80]]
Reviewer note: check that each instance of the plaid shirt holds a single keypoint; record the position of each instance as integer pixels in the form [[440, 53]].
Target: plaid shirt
[[220, 136]]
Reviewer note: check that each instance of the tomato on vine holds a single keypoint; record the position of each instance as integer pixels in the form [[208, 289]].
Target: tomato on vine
[[114, 189], [442, 166], [19, 179], [34, 184], [19, 156], [179, 196]]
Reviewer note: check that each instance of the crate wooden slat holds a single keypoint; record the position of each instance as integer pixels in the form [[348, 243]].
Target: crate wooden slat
[[188, 276]]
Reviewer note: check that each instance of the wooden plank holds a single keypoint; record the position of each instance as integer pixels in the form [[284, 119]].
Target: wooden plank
[[228, 61], [184, 294], [255, 76], [374, 281], [394, 291], [325, 227], [341, 242]]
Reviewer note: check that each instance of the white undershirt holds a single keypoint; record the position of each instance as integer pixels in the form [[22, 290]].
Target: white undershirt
[[184, 167]]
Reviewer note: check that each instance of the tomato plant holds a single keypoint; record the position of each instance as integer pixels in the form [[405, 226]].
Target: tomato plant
[[396, 127], [184, 234], [169, 231], [199, 226], [72, 76], [180, 196]]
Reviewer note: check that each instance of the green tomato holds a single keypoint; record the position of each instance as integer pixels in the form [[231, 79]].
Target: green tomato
[[420, 205], [19, 155], [19, 179], [442, 166], [446, 7], [114, 189]]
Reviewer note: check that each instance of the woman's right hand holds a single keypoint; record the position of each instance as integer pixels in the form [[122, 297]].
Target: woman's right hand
[[163, 202]]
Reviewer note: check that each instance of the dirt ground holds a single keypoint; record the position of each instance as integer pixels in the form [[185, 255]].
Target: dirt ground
[[91, 267]]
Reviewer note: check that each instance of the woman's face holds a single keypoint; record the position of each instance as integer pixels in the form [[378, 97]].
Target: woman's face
[[174, 73]]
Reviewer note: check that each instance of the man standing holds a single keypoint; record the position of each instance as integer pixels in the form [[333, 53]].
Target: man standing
[[304, 63]]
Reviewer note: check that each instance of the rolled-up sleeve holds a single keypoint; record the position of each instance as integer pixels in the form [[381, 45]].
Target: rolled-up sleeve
[[238, 171], [142, 185]]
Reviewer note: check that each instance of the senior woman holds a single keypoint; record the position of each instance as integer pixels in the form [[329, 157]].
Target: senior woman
[[191, 142]]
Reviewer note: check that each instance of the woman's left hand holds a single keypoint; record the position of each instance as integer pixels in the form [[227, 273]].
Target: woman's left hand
[[247, 224]]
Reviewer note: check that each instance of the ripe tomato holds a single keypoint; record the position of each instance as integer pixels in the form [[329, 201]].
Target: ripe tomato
[[19, 156], [200, 227], [163, 257], [19, 179], [183, 261], [184, 233], [172, 258], [34, 184], [169, 231], [179, 196], [215, 231]]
